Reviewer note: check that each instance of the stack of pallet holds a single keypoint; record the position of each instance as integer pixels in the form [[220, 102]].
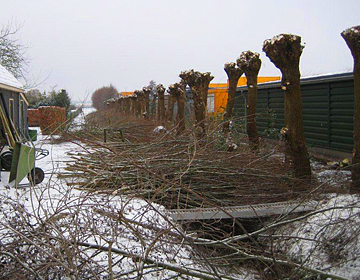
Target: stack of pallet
[[52, 119]]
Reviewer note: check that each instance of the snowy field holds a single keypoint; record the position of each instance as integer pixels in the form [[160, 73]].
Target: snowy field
[[142, 240], [74, 234]]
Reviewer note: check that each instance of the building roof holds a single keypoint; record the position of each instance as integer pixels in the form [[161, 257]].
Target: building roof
[[9, 82], [331, 77]]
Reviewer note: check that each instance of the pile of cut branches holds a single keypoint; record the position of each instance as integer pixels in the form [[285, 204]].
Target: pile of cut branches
[[183, 172]]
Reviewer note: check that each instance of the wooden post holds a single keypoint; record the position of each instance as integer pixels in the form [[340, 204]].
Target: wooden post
[[352, 39], [250, 63], [284, 51]]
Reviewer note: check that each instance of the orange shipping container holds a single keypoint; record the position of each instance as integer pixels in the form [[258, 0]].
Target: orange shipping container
[[218, 92]]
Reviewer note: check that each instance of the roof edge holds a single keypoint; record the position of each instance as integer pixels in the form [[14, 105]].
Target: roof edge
[[307, 80], [11, 88]]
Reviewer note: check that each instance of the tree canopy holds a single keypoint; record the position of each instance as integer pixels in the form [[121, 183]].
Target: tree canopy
[[12, 52], [102, 94]]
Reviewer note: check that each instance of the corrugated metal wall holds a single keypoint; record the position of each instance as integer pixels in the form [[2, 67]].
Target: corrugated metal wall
[[327, 110]]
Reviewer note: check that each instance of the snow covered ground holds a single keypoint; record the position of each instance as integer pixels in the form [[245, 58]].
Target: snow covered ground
[[102, 235]]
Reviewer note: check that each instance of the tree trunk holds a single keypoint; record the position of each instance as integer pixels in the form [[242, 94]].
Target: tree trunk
[[293, 117], [146, 102], [171, 102], [199, 85], [161, 102], [234, 73], [251, 112], [284, 51], [352, 39], [199, 109], [181, 113], [250, 63], [139, 103], [177, 91], [133, 105]]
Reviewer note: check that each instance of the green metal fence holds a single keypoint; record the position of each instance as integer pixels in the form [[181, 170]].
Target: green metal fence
[[328, 104]]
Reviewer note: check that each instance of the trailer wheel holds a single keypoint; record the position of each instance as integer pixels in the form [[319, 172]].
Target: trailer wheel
[[6, 159], [36, 175]]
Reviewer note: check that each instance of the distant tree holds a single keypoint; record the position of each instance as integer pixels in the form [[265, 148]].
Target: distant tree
[[152, 86], [102, 94], [34, 97], [152, 97], [12, 52], [61, 99], [52, 98]]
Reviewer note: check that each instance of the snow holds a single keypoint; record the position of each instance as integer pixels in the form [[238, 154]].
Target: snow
[[140, 228], [136, 227], [329, 240], [159, 129], [6, 78]]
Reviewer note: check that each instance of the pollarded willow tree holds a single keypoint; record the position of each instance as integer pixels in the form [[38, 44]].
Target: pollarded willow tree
[[160, 91], [139, 103], [199, 85], [177, 91], [234, 73], [133, 102], [146, 103], [170, 106], [352, 39], [250, 63], [284, 51]]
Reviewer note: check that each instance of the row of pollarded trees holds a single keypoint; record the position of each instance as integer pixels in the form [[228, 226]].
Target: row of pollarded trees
[[284, 51], [139, 104]]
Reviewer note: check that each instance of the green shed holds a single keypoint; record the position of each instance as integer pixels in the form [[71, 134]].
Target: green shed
[[328, 105]]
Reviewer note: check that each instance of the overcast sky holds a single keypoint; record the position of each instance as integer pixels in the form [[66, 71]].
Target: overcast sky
[[81, 45]]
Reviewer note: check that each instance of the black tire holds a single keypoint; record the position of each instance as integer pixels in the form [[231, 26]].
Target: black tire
[[36, 175], [6, 159]]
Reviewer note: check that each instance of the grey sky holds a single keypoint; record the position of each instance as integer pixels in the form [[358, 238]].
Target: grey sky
[[85, 44]]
